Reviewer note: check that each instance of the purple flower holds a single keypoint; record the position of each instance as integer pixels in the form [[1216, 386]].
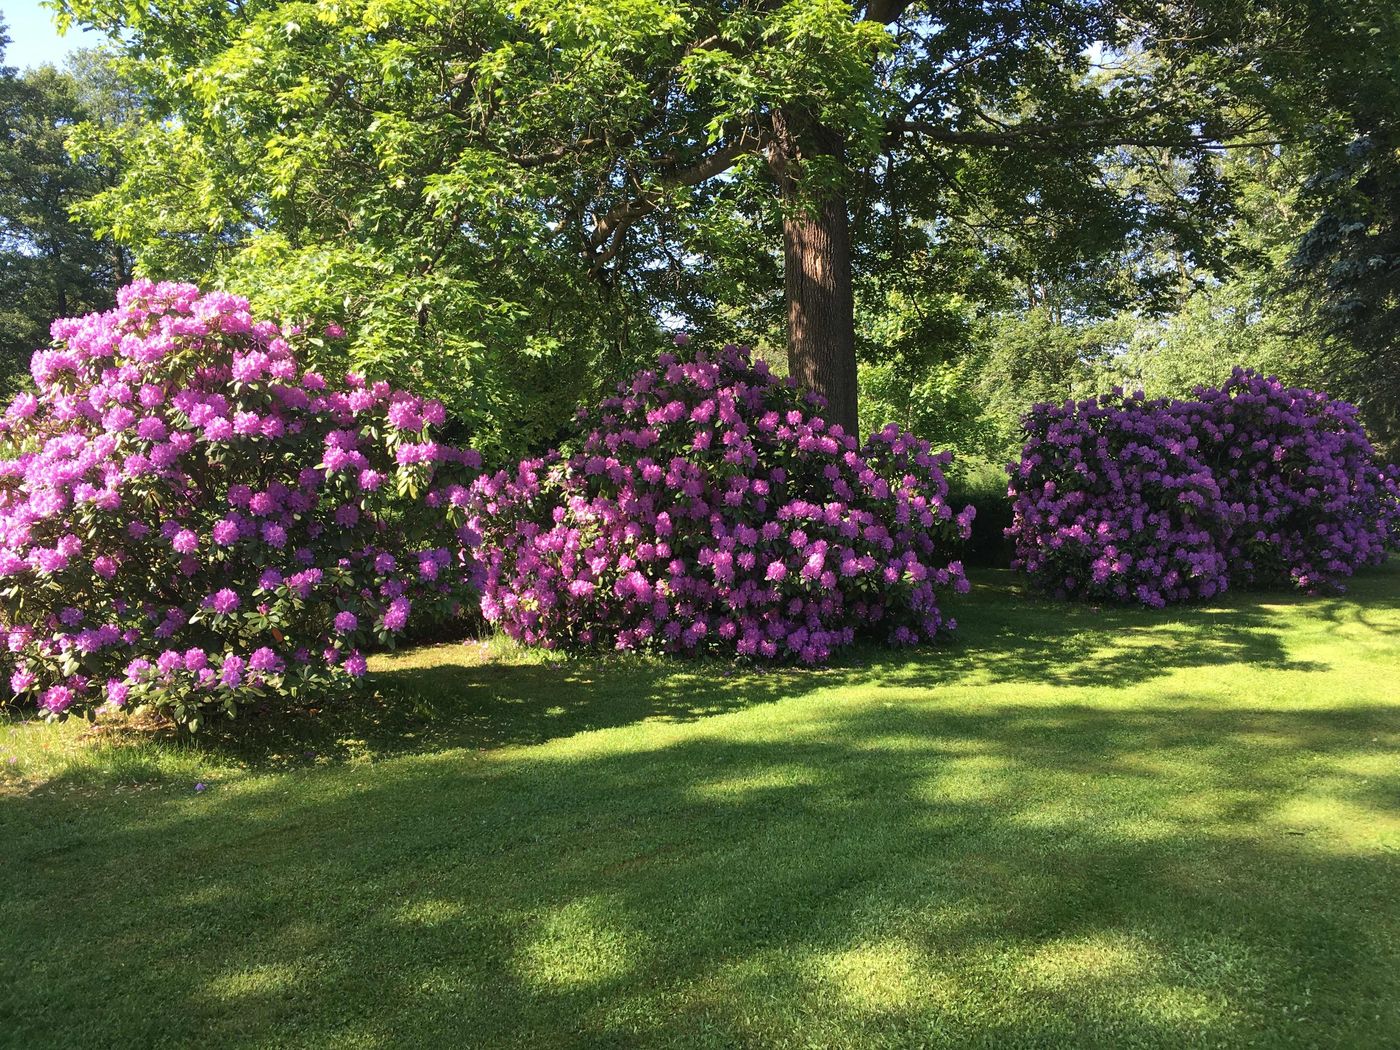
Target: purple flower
[[231, 671], [56, 699], [224, 601], [264, 659], [346, 622], [643, 538], [115, 453], [274, 535], [1193, 496], [396, 616]]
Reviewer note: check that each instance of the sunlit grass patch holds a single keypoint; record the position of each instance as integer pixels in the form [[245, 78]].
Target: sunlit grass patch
[[1034, 836]]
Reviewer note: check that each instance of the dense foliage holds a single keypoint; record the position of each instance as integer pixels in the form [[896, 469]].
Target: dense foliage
[[1161, 501], [502, 196], [710, 507], [51, 265], [1112, 501], [1309, 501], [192, 520]]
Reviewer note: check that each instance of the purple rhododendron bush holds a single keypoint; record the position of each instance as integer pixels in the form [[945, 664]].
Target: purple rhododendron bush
[[1112, 500], [1164, 501], [709, 507], [192, 520], [1312, 504]]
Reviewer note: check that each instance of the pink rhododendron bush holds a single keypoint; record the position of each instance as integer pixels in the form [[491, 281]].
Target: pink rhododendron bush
[[192, 520], [1164, 501], [709, 507]]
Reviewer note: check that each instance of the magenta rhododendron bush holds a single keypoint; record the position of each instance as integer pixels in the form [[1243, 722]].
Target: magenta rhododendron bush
[[709, 507], [191, 520], [1163, 501]]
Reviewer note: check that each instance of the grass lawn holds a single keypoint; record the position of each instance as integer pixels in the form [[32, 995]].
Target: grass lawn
[[1068, 828]]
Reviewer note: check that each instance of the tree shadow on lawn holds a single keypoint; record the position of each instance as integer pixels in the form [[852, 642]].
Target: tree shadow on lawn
[[1018, 875], [1007, 635], [459, 701], [450, 696]]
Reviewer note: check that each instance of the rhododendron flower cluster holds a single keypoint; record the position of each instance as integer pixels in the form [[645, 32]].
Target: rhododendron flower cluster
[[193, 519], [1253, 482], [708, 506]]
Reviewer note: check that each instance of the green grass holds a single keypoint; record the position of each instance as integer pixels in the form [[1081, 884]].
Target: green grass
[[1070, 828]]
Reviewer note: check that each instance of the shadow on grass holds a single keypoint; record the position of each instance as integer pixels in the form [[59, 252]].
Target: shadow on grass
[[454, 698], [458, 702], [1019, 875]]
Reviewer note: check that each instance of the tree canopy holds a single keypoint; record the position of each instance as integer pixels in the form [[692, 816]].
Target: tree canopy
[[511, 199], [50, 265]]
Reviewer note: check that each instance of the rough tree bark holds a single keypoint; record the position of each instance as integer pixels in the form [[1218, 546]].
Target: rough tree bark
[[816, 268]]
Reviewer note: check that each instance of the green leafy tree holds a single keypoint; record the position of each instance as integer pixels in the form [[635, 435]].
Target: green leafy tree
[[505, 196], [1347, 266], [50, 264]]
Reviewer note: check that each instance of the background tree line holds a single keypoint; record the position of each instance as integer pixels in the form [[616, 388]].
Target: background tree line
[[934, 213], [51, 263]]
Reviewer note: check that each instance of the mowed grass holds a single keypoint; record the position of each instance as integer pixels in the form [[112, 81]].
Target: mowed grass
[[1069, 828]]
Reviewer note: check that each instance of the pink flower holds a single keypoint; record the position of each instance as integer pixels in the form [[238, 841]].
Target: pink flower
[[56, 699], [117, 458], [264, 659]]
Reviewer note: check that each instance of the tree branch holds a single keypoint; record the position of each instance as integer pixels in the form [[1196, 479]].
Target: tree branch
[[886, 11], [606, 240], [1043, 137]]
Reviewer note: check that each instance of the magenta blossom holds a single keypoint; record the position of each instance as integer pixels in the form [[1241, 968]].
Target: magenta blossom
[[1158, 502], [672, 524], [177, 467]]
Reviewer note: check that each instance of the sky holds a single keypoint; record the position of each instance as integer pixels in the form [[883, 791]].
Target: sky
[[33, 38]]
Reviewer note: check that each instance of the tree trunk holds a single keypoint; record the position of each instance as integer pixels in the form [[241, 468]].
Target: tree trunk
[[817, 271]]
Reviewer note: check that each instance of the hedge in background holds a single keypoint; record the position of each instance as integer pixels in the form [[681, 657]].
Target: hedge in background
[[709, 507], [1165, 501], [192, 520]]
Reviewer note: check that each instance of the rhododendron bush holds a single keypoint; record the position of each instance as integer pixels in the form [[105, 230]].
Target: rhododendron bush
[[1311, 502], [1163, 501], [709, 507], [1112, 500], [192, 520]]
